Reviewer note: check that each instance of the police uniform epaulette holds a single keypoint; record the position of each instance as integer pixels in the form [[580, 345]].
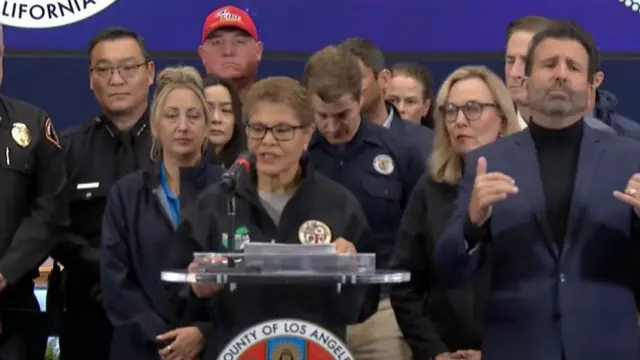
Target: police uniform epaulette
[[27, 110], [78, 129]]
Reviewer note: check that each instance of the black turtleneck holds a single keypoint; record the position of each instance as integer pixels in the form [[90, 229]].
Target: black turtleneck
[[558, 152]]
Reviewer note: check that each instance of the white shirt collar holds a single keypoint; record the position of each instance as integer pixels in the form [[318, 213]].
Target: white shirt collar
[[389, 120], [523, 124]]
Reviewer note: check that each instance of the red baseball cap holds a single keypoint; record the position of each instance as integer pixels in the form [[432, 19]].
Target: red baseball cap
[[229, 16]]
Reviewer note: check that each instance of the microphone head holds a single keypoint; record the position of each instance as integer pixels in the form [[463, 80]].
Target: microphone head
[[247, 159], [249, 156]]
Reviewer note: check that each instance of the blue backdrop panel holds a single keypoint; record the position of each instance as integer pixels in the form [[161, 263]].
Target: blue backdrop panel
[[303, 26]]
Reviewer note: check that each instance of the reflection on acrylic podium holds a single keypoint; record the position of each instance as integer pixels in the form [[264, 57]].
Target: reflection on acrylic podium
[[285, 338]]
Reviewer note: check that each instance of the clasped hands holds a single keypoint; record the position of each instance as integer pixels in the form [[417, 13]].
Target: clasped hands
[[186, 344], [492, 187], [203, 291]]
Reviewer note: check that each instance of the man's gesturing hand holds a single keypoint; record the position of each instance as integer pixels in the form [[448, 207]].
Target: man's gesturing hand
[[631, 195], [488, 189]]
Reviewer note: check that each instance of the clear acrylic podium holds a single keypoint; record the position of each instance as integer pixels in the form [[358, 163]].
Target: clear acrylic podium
[[236, 269], [309, 265]]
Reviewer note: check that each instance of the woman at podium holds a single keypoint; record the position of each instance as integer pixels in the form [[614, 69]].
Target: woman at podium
[[142, 213], [282, 200]]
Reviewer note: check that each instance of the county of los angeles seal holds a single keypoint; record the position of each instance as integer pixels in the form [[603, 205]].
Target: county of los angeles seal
[[286, 339], [43, 14], [633, 5]]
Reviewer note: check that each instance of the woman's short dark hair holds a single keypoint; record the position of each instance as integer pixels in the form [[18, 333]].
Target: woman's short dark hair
[[238, 142]]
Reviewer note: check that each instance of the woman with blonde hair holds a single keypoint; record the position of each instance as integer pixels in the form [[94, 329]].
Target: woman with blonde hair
[[473, 109], [142, 214]]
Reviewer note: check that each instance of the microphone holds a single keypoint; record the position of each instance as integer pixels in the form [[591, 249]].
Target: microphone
[[243, 164]]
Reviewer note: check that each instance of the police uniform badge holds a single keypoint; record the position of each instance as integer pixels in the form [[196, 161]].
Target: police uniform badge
[[314, 232], [383, 164], [20, 134]]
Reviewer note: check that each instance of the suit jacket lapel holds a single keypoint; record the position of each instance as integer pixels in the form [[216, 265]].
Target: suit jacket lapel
[[529, 181], [591, 151]]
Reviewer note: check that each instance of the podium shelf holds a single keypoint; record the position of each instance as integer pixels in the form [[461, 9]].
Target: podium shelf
[[238, 276]]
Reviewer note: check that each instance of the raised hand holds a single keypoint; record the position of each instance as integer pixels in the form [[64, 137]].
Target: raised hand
[[488, 189]]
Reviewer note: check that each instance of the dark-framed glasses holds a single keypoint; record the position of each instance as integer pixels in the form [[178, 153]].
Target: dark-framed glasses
[[472, 110], [280, 132], [128, 71]]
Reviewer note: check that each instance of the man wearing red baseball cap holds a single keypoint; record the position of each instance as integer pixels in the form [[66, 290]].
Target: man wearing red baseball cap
[[230, 46]]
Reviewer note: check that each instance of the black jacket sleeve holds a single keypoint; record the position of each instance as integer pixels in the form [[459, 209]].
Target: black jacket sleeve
[[355, 304], [124, 301], [192, 234], [414, 169], [408, 299], [74, 251], [456, 258], [36, 236]]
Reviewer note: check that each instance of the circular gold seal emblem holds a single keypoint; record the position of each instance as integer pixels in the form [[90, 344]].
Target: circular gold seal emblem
[[20, 134], [314, 232], [286, 339], [383, 164]]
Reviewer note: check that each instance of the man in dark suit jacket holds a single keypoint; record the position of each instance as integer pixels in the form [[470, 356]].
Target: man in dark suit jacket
[[562, 242]]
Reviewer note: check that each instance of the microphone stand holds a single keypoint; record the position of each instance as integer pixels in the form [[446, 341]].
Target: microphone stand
[[231, 215], [232, 240]]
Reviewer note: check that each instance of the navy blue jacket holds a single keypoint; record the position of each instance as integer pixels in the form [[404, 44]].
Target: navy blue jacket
[[545, 302], [420, 136], [382, 194], [137, 233], [605, 110]]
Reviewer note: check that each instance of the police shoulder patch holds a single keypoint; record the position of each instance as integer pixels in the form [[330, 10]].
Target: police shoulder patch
[[50, 134]]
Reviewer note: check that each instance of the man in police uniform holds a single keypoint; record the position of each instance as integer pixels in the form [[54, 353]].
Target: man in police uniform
[[98, 153], [33, 211], [373, 105], [378, 167]]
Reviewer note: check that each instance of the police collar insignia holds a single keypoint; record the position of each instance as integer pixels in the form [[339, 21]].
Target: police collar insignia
[[314, 232], [20, 134], [383, 164]]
